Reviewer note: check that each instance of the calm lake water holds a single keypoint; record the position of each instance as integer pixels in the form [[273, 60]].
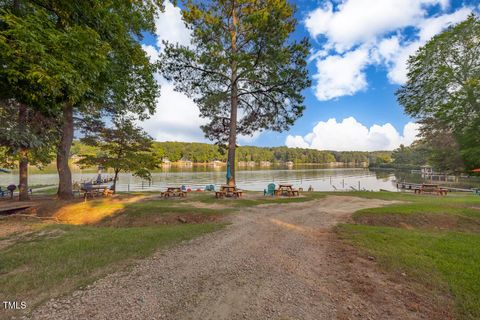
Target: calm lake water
[[320, 178]]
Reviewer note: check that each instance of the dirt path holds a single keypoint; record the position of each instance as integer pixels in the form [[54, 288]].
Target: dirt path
[[275, 261]]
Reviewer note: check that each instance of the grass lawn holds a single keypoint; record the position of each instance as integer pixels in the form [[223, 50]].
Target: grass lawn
[[433, 240], [49, 259], [252, 198], [59, 258]]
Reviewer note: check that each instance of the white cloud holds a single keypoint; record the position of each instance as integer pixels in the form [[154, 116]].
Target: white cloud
[[177, 117], [296, 142], [151, 51], [245, 139], [340, 75], [362, 33], [351, 135], [358, 21], [170, 27], [432, 26], [395, 54]]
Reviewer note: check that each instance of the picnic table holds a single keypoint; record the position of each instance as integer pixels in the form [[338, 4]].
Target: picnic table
[[228, 191], [174, 192], [91, 190], [286, 190], [431, 188]]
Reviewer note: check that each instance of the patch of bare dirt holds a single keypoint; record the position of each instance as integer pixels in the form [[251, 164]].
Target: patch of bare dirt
[[142, 221], [422, 221], [201, 205], [21, 222], [280, 262]]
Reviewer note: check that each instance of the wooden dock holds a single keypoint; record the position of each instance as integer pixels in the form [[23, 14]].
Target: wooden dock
[[413, 186], [8, 207]]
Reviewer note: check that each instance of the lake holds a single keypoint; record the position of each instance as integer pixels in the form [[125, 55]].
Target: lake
[[320, 178]]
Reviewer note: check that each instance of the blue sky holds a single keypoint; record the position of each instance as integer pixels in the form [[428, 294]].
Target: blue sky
[[357, 62]]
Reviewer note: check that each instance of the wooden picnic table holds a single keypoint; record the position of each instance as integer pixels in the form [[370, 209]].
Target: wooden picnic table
[[431, 188], [228, 191], [286, 189], [174, 192], [96, 190]]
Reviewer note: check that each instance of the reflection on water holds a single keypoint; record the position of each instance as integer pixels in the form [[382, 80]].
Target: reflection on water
[[319, 177]]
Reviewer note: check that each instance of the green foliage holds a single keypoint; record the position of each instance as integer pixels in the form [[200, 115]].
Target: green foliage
[[203, 152], [443, 88], [415, 156], [34, 133], [76, 58], [124, 148], [43, 63]]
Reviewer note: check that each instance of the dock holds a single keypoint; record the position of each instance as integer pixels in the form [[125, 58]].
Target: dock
[[7, 208], [413, 186]]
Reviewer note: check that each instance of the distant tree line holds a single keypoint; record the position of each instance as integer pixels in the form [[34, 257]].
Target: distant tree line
[[204, 152]]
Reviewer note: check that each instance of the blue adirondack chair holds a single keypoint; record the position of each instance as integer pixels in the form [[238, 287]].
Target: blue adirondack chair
[[270, 191]]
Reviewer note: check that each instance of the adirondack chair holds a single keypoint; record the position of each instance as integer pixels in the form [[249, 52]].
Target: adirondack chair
[[270, 191], [210, 187]]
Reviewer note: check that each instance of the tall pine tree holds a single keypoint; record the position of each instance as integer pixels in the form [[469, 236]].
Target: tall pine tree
[[242, 69]]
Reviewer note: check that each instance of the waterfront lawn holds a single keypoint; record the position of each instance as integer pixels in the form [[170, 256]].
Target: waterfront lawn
[[104, 235], [433, 240], [196, 207], [60, 258], [254, 198]]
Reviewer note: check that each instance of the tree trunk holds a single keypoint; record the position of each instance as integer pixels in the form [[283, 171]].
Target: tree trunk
[[23, 160], [23, 176], [232, 139], [63, 154], [115, 181]]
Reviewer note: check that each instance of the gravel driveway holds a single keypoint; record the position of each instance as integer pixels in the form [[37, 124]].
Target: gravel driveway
[[274, 261]]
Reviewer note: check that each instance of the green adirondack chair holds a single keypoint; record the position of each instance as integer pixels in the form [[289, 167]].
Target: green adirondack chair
[[270, 191]]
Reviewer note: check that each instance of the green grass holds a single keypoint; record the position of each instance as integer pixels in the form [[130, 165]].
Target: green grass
[[209, 198], [184, 205], [445, 260], [165, 207], [60, 258], [54, 260], [36, 186], [451, 198], [195, 204], [47, 191], [459, 204], [422, 208], [442, 259]]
